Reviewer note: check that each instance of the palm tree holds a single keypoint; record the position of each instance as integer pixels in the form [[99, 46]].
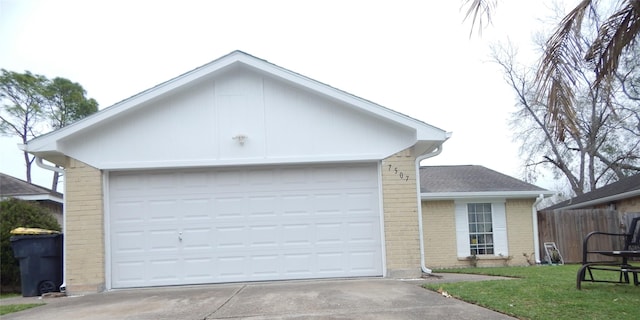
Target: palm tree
[[556, 76]]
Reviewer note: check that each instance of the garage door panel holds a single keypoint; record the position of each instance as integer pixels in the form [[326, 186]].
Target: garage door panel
[[162, 240], [361, 232], [326, 177], [227, 180], [269, 267], [131, 273], [230, 237], [260, 177], [331, 262], [294, 204], [230, 207], [296, 235], [293, 178], [363, 260], [163, 211], [264, 236], [127, 212], [125, 185], [195, 239], [363, 202], [196, 208], [196, 181], [221, 225], [230, 267], [128, 242], [330, 234], [198, 269], [298, 264], [164, 269]]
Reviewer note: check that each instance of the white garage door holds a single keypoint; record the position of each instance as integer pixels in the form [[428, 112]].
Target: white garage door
[[261, 223]]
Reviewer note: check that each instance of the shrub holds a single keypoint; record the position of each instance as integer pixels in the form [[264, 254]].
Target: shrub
[[18, 213]]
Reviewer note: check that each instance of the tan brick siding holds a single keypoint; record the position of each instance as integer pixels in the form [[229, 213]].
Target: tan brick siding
[[520, 229], [439, 226], [400, 206], [440, 234], [84, 236]]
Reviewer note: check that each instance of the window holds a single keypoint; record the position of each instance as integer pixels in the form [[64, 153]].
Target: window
[[480, 228]]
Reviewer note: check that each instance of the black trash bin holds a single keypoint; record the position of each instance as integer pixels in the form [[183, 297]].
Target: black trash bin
[[40, 257]]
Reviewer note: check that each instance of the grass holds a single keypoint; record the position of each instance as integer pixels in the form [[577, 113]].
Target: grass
[[546, 292], [15, 307]]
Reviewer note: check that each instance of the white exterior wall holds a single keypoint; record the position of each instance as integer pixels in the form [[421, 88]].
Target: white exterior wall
[[195, 126]]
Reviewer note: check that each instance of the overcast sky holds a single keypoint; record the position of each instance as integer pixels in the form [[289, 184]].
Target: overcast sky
[[415, 57]]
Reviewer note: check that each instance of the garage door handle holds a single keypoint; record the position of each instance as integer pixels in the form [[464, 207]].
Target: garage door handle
[[180, 236]]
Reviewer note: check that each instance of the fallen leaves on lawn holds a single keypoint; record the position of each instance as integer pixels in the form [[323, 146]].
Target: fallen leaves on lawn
[[444, 293]]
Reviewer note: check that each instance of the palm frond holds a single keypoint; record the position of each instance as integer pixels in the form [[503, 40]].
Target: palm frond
[[556, 76], [614, 36], [480, 12]]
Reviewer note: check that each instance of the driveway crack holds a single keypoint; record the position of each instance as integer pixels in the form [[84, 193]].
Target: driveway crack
[[226, 301]]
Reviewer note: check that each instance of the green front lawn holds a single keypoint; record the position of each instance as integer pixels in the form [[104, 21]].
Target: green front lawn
[[546, 292], [15, 307]]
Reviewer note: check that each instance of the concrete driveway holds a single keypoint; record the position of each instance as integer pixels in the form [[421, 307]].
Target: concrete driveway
[[317, 299]]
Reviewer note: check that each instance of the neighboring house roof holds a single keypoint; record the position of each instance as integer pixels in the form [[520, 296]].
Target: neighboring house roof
[[622, 189], [426, 137], [473, 181], [11, 187]]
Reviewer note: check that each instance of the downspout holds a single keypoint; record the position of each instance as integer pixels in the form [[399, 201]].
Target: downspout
[[420, 228], [39, 163], [48, 167], [536, 238]]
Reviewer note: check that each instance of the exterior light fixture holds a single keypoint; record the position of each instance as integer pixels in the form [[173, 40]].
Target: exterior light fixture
[[241, 138]]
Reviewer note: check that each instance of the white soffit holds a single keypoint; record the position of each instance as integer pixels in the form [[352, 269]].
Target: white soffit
[[484, 195]]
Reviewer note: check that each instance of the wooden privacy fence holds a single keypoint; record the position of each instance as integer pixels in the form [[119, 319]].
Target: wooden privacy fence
[[567, 228]]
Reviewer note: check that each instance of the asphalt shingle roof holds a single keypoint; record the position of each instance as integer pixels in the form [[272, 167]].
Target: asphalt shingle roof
[[469, 178], [14, 187], [625, 185]]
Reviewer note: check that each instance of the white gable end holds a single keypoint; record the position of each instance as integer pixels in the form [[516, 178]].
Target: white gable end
[[195, 125], [275, 116]]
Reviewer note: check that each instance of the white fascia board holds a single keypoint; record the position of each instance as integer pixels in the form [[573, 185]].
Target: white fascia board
[[39, 197], [603, 200], [484, 195]]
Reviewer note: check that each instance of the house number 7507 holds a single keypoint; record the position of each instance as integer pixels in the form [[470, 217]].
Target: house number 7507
[[401, 174]]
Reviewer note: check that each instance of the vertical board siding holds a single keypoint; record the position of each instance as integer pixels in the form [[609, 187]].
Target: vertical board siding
[[567, 228]]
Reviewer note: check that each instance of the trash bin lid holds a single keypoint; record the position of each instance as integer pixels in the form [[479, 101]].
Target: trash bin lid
[[26, 231]]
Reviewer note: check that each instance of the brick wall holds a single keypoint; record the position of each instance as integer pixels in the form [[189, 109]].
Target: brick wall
[[438, 220], [400, 205], [439, 226], [84, 233], [520, 230]]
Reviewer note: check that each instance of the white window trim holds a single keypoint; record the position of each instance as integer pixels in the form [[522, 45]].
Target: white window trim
[[499, 220]]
